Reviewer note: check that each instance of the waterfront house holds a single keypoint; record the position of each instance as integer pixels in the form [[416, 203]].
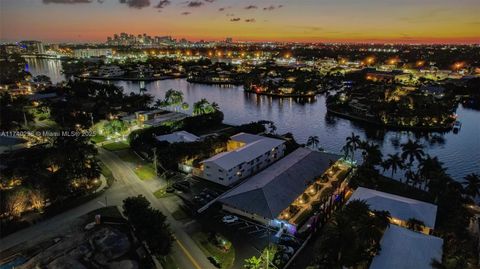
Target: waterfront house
[[178, 137], [246, 155], [402, 248], [401, 208], [296, 181]]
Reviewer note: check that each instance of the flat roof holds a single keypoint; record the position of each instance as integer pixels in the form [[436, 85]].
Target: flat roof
[[402, 248], [255, 146], [399, 207], [269, 192], [176, 137]]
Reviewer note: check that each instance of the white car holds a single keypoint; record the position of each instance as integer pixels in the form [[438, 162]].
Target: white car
[[229, 219]]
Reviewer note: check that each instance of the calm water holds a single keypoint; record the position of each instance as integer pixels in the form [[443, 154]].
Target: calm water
[[460, 152]]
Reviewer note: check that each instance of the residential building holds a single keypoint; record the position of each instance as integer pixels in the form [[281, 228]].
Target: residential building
[[91, 52], [110, 71], [178, 137], [402, 248], [246, 155], [401, 208], [293, 181], [32, 46]]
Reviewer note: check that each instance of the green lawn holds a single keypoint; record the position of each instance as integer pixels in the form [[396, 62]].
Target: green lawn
[[129, 156], [114, 146], [98, 138], [226, 258], [145, 172], [161, 193]]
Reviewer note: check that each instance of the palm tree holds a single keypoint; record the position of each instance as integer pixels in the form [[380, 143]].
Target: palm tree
[[412, 177], [353, 142], [185, 106], [430, 168], [346, 150], [393, 162], [174, 97], [160, 104], [215, 106], [415, 224], [201, 107], [312, 142], [412, 151], [472, 185], [372, 155]]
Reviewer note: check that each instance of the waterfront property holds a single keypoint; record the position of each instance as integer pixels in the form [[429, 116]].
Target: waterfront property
[[246, 155], [178, 137], [401, 209], [404, 249], [152, 118], [288, 189]]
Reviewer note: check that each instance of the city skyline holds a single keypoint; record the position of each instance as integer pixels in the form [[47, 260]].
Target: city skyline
[[369, 21]]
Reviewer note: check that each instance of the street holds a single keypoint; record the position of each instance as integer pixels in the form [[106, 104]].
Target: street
[[185, 251]]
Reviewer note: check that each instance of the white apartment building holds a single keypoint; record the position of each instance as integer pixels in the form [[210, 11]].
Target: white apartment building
[[247, 154]]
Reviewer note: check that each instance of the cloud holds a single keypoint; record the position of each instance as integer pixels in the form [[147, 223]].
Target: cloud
[[251, 7], [66, 1], [163, 3], [223, 8], [250, 20], [209, 1], [185, 13], [195, 4], [272, 7], [229, 14], [235, 19], [136, 3]]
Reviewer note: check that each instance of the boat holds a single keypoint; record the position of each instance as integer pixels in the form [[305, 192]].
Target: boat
[[457, 125]]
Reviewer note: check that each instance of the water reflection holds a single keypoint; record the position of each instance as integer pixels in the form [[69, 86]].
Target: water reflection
[[460, 152]]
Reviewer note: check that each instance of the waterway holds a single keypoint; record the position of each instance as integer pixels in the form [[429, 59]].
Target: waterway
[[459, 152]]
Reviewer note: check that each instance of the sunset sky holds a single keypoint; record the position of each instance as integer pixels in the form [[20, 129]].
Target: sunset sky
[[405, 21]]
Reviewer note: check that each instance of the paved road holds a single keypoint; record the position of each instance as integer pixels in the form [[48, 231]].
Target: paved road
[[185, 251]]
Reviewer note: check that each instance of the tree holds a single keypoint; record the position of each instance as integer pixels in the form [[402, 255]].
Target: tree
[[174, 98], [149, 223], [412, 151], [253, 263], [415, 224], [312, 142], [353, 236], [185, 106], [353, 142], [202, 107], [372, 155], [430, 168], [160, 104], [393, 162], [472, 185]]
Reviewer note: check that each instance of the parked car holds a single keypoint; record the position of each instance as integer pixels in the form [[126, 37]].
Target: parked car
[[180, 187], [229, 219], [211, 192]]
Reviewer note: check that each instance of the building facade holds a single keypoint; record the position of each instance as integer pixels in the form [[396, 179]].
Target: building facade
[[246, 155]]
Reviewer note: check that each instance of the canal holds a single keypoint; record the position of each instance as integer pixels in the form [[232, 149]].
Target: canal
[[459, 152]]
